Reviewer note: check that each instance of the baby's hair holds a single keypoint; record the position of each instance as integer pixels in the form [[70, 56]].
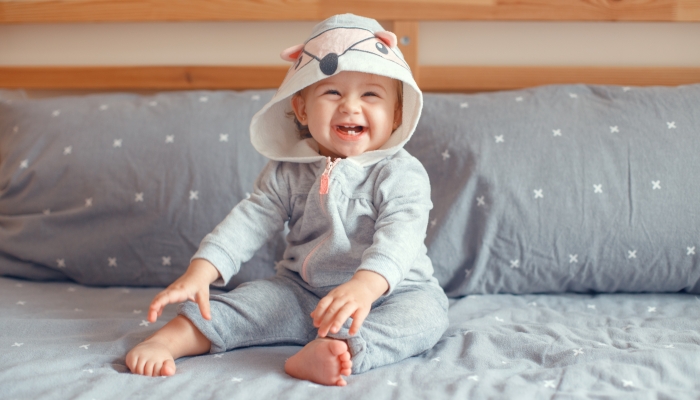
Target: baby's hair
[[303, 130]]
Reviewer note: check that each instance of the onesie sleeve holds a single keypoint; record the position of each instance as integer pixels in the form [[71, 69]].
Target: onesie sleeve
[[250, 224], [402, 195]]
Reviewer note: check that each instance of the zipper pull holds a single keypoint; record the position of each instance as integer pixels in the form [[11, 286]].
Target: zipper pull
[[325, 176]]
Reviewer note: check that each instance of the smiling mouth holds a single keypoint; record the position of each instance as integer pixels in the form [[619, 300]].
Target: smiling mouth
[[351, 130]]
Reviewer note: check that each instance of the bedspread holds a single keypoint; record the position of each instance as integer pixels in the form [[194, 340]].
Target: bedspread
[[64, 340]]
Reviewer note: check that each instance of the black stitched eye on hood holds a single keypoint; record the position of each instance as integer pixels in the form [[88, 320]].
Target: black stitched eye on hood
[[299, 61], [329, 64], [382, 49]]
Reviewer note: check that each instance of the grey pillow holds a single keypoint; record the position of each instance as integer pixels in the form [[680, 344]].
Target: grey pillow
[[119, 189], [551, 189], [564, 188]]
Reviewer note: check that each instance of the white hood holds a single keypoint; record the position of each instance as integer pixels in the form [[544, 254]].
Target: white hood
[[344, 42]]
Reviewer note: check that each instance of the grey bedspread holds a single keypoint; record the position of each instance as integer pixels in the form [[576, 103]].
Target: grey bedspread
[[66, 341]]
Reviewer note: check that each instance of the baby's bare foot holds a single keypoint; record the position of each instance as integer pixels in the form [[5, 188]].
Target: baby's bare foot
[[156, 355], [322, 361], [151, 358]]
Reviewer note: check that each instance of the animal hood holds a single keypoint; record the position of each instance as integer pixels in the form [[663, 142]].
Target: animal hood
[[344, 42]]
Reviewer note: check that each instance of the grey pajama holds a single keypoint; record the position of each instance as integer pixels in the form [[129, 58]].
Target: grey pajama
[[365, 218], [277, 311]]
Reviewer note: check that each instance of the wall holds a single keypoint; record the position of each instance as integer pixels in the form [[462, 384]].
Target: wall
[[441, 43]]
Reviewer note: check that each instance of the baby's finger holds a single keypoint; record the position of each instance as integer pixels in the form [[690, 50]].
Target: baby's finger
[[153, 315], [331, 316], [357, 319], [203, 301], [161, 300], [156, 308], [341, 316], [320, 310]]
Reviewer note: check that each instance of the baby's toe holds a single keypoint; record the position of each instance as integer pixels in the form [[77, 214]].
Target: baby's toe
[[131, 363], [168, 368], [341, 382], [157, 368], [140, 367], [149, 368], [338, 348], [344, 357]]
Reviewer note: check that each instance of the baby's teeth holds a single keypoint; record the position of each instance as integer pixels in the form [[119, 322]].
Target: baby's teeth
[[350, 130]]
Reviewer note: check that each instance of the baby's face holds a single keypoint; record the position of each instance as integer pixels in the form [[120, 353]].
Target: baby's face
[[349, 113]]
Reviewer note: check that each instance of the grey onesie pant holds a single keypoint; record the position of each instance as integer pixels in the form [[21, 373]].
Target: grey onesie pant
[[277, 311]]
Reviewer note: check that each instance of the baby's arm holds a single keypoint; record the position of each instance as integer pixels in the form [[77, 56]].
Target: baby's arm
[[251, 223], [353, 299], [192, 285]]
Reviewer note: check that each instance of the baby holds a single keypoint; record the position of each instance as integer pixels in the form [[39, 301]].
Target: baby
[[355, 286]]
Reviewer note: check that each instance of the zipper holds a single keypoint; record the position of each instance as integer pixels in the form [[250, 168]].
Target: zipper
[[323, 190], [325, 177]]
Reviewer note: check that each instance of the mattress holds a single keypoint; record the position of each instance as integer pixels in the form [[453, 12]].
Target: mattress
[[63, 340]]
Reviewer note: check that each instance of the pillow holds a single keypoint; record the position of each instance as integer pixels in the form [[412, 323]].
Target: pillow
[[564, 188], [119, 189], [550, 189]]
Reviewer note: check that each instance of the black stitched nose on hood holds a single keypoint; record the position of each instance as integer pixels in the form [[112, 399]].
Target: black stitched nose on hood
[[329, 64]]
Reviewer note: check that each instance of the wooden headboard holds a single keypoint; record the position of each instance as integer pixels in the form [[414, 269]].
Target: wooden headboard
[[401, 16]]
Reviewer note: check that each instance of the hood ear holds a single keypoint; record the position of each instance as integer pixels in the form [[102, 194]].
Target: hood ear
[[292, 53], [387, 37]]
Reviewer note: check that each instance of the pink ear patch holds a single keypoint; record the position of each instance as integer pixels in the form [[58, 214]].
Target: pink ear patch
[[387, 37], [292, 53]]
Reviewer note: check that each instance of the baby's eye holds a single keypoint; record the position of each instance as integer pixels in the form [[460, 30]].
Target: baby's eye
[[371, 94], [334, 92]]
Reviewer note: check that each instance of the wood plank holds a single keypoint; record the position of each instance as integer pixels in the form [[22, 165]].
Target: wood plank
[[26, 11], [164, 77], [158, 10], [540, 10], [486, 78], [432, 78], [688, 10]]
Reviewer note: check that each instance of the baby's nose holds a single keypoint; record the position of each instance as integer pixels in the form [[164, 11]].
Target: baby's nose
[[351, 105]]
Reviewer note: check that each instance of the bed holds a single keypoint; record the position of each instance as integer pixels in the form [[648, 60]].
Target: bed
[[565, 226]]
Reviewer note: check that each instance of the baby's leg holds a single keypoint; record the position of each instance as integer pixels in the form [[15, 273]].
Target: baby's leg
[[267, 311], [322, 361], [408, 322], [156, 355], [274, 311]]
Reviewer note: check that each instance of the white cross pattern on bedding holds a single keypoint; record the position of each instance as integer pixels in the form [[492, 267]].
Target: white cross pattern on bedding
[[64, 340], [530, 188], [564, 188]]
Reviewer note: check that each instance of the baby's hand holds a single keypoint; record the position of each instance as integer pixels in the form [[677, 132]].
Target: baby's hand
[[351, 299], [192, 285]]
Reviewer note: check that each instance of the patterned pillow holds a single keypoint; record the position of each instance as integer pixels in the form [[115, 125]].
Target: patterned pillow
[[564, 188], [119, 189], [551, 189]]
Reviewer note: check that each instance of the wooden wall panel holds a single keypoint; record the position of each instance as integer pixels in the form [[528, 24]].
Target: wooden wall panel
[[23, 11], [485, 78], [432, 78], [160, 78], [402, 15], [688, 10]]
